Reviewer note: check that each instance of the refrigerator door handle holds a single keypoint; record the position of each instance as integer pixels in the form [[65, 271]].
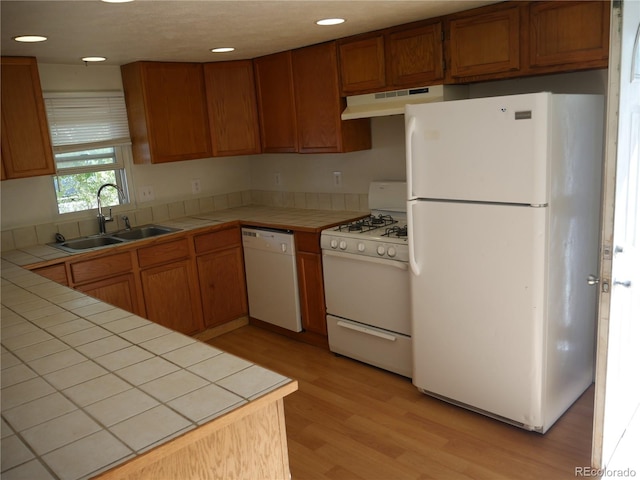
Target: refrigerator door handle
[[413, 264], [410, 127]]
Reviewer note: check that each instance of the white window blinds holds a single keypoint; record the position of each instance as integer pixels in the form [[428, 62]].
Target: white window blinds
[[86, 120]]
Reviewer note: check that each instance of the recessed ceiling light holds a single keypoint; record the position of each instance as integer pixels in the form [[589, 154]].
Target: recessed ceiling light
[[330, 21], [117, 1], [30, 38], [222, 49], [93, 59]]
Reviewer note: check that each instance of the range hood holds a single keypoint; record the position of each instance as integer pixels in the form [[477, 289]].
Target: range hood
[[392, 103]]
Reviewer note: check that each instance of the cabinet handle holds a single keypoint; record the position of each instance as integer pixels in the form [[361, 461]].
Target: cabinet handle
[[368, 331]]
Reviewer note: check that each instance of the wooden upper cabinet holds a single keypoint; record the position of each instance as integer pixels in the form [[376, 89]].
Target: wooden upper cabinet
[[167, 110], [414, 56], [26, 144], [566, 34], [484, 43], [362, 65], [400, 57], [233, 112], [274, 85], [319, 106]]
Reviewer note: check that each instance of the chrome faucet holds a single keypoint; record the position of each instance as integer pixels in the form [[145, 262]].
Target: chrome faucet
[[102, 220]]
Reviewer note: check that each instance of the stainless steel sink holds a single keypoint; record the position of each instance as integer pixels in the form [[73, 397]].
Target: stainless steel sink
[[136, 233], [88, 242], [144, 231]]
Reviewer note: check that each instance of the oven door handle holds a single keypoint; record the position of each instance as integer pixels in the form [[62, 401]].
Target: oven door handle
[[365, 258], [368, 331]]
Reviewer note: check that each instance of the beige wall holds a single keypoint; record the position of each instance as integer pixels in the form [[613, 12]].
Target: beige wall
[[32, 201]]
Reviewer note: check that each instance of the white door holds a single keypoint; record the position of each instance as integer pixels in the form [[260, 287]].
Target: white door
[[477, 299], [485, 149], [618, 359]]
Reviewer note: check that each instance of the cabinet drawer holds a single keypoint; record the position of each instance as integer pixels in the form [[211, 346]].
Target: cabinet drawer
[[163, 253], [56, 273], [217, 240], [101, 267]]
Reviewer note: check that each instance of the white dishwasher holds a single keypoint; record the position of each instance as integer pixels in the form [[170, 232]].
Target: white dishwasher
[[272, 277]]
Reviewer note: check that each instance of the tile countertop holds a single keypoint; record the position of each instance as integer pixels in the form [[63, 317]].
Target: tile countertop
[[87, 386], [274, 217]]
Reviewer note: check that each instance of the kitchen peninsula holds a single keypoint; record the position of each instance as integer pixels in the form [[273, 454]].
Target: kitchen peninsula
[[90, 390]]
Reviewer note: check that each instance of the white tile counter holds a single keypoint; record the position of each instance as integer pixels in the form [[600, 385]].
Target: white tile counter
[[87, 386]]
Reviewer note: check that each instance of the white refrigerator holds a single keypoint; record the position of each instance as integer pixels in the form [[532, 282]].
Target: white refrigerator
[[503, 219]]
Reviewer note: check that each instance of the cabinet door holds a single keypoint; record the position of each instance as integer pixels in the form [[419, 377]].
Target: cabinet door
[[26, 144], [319, 106], [167, 110], [362, 67], [484, 44], [119, 291], [171, 298], [311, 287], [415, 56], [233, 111], [569, 33], [222, 286], [274, 83]]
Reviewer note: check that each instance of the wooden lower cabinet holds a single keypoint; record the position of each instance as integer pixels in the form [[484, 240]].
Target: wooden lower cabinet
[[311, 283], [221, 277], [222, 286], [170, 296], [109, 278], [119, 291], [311, 288]]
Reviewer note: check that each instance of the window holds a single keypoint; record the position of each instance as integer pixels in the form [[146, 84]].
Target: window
[[90, 138]]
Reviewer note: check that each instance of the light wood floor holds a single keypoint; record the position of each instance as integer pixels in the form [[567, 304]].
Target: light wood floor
[[353, 421]]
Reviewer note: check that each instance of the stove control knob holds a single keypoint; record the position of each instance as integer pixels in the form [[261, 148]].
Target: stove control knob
[[361, 247], [343, 245], [334, 243], [380, 250], [392, 252]]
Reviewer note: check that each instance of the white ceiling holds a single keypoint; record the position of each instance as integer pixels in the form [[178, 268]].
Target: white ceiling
[[185, 30]]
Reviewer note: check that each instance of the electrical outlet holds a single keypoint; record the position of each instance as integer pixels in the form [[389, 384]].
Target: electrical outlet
[[277, 179], [195, 186], [146, 193], [337, 179]]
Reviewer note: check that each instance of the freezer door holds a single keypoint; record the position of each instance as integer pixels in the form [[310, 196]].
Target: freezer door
[[486, 149], [477, 305]]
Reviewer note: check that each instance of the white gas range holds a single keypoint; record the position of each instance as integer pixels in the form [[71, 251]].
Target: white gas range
[[382, 235], [366, 282]]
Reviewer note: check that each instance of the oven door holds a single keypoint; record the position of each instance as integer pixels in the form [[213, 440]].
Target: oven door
[[369, 290]]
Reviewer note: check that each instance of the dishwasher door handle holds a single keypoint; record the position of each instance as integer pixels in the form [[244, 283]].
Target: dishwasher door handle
[[368, 331]]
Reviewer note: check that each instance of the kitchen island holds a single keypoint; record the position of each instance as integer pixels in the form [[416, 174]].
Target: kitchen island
[[92, 391]]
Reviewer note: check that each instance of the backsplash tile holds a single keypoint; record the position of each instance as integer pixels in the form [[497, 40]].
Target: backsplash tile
[[25, 237], [30, 236]]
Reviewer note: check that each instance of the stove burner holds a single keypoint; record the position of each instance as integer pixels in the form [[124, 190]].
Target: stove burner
[[396, 232], [368, 223]]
